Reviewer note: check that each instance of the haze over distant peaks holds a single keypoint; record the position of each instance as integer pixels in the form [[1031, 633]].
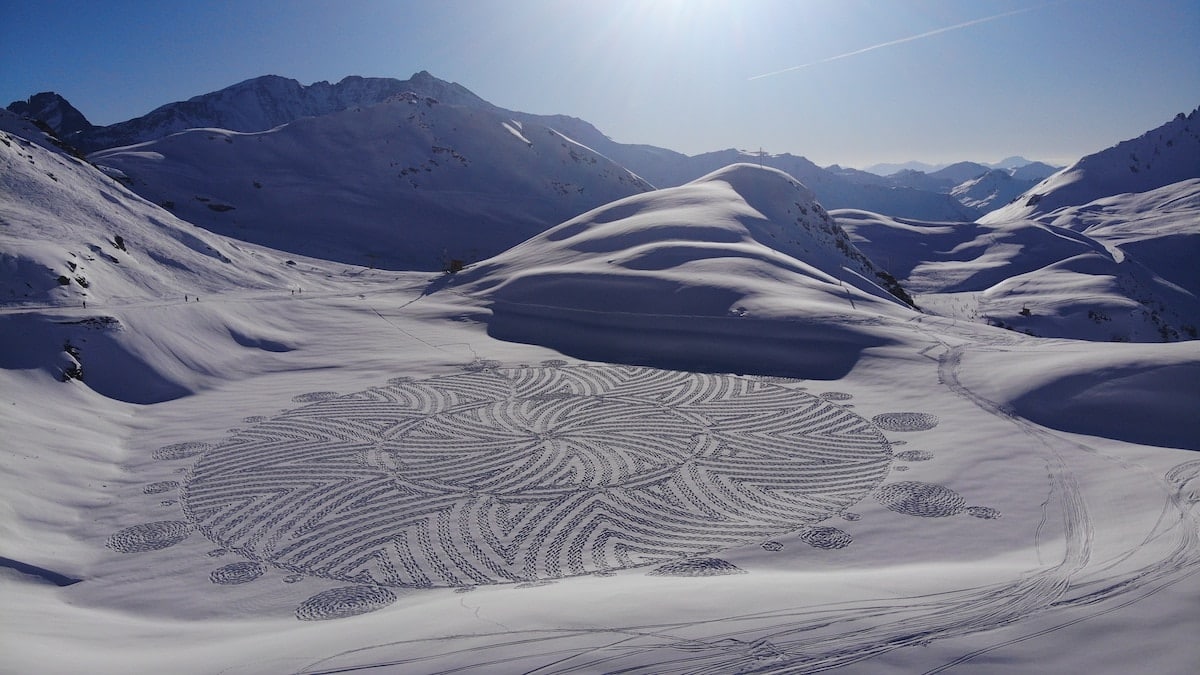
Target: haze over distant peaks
[[888, 169]]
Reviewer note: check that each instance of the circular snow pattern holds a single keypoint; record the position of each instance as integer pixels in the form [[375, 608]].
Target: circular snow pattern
[[827, 538], [236, 573], [772, 546], [518, 474], [314, 396], [339, 603], [160, 487], [149, 536], [905, 421], [181, 450], [985, 512], [914, 456], [836, 396], [697, 567], [921, 499]]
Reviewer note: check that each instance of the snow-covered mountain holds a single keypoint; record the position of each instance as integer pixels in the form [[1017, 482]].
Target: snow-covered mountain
[[975, 186], [266, 102], [694, 265], [1162, 156], [990, 190], [1034, 171], [1009, 164], [53, 110], [830, 187], [408, 183], [263, 103]]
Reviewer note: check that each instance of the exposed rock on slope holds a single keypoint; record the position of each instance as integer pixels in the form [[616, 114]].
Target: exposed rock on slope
[[53, 110]]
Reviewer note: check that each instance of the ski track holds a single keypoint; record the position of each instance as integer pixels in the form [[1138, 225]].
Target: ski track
[[813, 639]]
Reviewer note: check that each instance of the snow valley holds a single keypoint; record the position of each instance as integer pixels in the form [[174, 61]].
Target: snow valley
[[378, 376]]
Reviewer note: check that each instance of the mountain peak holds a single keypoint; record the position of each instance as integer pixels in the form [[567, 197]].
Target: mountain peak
[[265, 102], [53, 110]]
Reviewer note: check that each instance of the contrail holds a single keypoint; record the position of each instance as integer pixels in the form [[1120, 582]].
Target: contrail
[[936, 31]]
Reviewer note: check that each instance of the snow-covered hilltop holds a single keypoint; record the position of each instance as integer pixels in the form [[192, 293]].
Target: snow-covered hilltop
[[740, 261]]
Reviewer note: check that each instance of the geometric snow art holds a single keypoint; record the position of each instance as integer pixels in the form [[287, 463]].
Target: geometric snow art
[[529, 473]]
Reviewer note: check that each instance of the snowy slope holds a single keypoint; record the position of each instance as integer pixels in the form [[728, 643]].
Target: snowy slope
[[93, 277], [741, 246], [1161, 228], [1032, 277], [1168, 154], [407, 184], [62, 221]]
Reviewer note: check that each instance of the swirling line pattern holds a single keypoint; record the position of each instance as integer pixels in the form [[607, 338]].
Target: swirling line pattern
[[531, 473]]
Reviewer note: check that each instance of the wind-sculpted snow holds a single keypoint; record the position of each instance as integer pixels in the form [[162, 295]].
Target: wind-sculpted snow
[[530, 473]]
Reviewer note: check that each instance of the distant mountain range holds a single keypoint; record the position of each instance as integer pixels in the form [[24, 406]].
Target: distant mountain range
[[1104, 249], [886, 169], [263, 103]]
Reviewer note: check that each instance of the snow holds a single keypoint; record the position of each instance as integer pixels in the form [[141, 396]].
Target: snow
[[686, 430], [1053, 278], [1162, 156], [407, 184]]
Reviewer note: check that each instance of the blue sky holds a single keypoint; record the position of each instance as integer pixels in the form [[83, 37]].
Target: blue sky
[[881, 80]]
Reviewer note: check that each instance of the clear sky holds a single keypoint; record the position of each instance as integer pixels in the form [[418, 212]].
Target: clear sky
[[852, 82]]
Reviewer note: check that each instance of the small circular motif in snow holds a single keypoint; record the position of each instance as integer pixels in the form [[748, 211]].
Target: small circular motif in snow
[[149, 536], [697, 567], [905, 421], [825, 537], [339, 603], [921, 499], [236, 573]]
